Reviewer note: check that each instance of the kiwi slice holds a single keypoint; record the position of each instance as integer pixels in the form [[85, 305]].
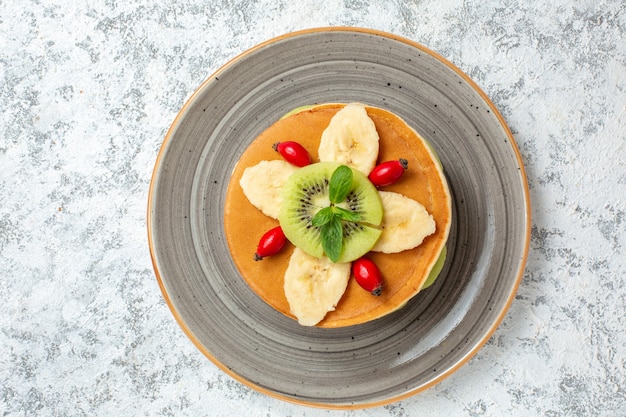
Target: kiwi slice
[[307, 192], [434, 273]]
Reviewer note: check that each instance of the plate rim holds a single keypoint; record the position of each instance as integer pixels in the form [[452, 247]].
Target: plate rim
[[526, 198]]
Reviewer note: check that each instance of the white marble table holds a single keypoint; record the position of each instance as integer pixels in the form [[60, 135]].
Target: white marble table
[[87, 92]]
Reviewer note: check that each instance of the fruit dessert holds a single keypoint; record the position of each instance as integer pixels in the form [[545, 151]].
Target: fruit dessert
[[338, 214]]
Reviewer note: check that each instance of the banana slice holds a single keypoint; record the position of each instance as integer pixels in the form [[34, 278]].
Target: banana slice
[[262, 184], [313, 286], [350, 139], [405, 223]]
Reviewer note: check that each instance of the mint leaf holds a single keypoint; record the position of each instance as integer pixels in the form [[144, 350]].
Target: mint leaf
[[330, 219], [332, 238], [346, 215], [340, 184], [322, 217]]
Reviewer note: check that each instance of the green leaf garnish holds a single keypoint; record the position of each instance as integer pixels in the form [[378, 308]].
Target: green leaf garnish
[[330, 219], [340, 184], [322, 217], [346, 215], [332, 238]]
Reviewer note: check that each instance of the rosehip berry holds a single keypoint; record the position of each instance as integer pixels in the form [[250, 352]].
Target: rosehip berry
[[293, 153], [367, 275], [271, 243], [386, 173]]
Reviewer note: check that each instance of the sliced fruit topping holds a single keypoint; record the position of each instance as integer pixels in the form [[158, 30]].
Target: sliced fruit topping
[[293, 153], [350, 139], [270, 243], [351, 216], [405, 223], [313, 286], [434, 273], [367, 275], [297, 110], [386, 173], [262, 184]]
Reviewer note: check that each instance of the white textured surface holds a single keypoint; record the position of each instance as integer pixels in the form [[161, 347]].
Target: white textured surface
[[87, 92]]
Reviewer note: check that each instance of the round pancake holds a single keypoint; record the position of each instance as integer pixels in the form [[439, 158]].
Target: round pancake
[[403, 273]]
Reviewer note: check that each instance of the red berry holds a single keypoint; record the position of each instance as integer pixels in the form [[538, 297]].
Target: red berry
[[367, 275], [386, 173], [293, 153], [271, 243]]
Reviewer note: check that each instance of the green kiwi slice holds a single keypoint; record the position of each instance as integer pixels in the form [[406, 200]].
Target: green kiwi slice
[[434, 273], [307, 192]]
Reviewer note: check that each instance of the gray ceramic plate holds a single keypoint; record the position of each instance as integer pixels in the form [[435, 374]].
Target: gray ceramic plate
[[387, 359]]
